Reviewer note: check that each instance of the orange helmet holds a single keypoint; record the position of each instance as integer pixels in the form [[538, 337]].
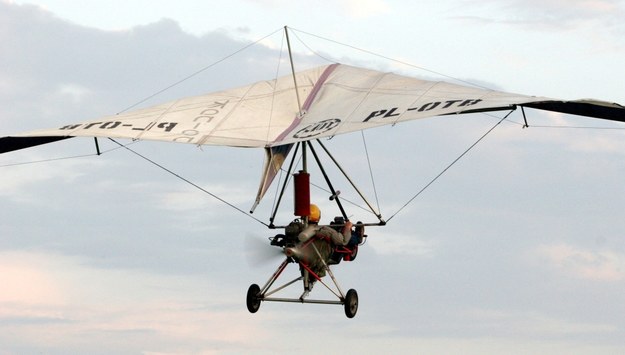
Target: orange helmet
[[315, 214]]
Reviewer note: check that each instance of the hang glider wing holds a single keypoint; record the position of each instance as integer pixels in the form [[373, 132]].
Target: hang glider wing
[[338, 99]]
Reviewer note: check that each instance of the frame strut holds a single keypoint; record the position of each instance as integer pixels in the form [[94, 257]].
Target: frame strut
[[97, 145], [275, 276], [266, 291], [524, 118], [377, 214], [283, 286], [302, 300], [325, 176], [341, 295]]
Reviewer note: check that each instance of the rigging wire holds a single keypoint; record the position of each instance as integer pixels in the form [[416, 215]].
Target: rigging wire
[[321, 188], [375, 190], [48, 160], [312, 50], [199, 71], [273, 97], [342, 198], [298, 161], [64, 158], [188, 181], [319, 55], [567, 127], [555, 126], [273, 94], [152, 96], [388, 58], [295, 30], [126, 146], [450, 165]]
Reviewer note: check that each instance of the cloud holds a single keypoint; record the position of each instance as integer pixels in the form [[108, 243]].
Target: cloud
[[18, 182], [69, 92], [190, 200], [573, 133], [401, 244], [362, 9], [26, 280], [532, 324], [597, 265], [549, 14], [353, 9], [57, 302]]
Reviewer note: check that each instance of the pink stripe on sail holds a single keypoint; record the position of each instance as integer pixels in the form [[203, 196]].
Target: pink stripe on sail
[[309, 100]]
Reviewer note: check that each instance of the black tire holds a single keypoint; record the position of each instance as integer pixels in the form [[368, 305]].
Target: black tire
[[253, 298], [351, 303]]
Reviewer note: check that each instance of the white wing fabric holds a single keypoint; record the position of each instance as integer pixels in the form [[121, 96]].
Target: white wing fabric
[[338, 99]]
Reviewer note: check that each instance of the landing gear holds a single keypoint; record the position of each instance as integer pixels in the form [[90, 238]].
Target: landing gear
[[253, 298], [351, 303], [309, 276]]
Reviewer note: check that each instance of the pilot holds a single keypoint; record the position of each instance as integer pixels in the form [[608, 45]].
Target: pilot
[[313, 229], [324, 245]]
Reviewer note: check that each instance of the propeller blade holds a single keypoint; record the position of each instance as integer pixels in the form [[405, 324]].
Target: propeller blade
[[258, 251]]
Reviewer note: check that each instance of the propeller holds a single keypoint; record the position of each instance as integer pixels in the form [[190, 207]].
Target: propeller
[[258, 251]]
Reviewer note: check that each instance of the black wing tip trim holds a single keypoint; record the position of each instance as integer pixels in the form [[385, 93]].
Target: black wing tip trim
[[612, 112], [9, 144]]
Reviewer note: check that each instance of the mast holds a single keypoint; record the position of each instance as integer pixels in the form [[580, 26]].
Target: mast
[[302, 178], [299, 102], [288, 44]]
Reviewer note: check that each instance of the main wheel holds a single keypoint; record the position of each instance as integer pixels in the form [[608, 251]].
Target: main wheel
[[253, 298], [351, 303]]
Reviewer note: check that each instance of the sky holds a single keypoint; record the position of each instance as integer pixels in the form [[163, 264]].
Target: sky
[[518, 248]]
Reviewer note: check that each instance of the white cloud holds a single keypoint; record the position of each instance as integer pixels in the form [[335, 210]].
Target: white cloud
[[598, 265], [191, 199], [56, 301], [361, 9], [401, 244], [534, 323], [554, 13], [16, 182], [26, 279], [71, 92], [354, 9]]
